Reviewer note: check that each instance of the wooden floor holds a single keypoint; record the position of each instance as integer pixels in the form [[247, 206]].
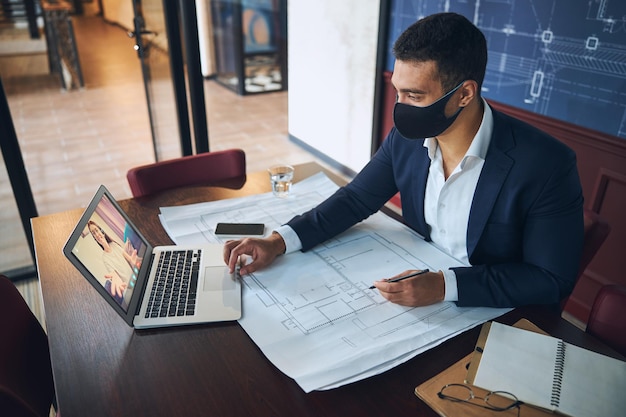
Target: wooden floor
[[73, 141]]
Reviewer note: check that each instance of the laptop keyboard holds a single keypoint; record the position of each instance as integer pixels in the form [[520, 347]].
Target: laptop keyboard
[[174, 290]]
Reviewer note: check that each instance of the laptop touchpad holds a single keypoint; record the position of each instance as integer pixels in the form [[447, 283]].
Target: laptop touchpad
[[217, 278]]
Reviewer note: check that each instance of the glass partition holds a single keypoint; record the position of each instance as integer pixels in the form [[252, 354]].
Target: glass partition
[[250, 44]]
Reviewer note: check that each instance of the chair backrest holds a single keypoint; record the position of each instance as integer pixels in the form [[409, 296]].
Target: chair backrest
[[202, 169], [596, 229], [607, 320], [26, 384]]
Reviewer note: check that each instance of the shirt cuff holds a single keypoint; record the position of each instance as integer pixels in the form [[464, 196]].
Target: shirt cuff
[[292, 241], [452, 290]]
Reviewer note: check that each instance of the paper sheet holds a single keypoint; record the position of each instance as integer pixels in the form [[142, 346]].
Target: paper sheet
[[312, 313]]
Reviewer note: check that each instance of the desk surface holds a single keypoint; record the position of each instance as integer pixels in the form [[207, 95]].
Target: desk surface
[[102, 367]]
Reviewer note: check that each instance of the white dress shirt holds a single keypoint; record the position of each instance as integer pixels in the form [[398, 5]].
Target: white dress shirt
[[447, 203]]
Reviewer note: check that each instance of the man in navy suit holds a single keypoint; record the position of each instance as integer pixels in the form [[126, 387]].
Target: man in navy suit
[[490, 190]]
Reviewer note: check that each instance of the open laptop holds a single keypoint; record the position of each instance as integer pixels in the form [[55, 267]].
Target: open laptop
[[112, 254]]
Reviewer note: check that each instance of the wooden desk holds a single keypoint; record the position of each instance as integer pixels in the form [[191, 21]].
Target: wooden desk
[[102, 367]]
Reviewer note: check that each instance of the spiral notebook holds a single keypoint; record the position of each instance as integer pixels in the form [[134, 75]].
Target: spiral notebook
[[457, 374], [549, 373]]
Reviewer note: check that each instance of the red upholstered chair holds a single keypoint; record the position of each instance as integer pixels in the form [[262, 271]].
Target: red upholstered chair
[[607, 320], [203, 169], [26, 385], [596, 231]]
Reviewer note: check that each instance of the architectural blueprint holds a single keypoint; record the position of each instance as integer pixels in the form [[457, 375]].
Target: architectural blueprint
[[560, 58], [313, 314]]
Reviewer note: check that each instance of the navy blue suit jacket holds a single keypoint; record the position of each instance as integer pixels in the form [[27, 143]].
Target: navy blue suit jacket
[[525, 228]]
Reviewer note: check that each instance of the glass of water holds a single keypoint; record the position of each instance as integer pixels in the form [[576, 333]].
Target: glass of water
[[281, 177]]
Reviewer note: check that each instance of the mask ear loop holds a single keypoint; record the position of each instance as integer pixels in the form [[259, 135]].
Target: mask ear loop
[[456, 113], [445, 96], [472, 96], [449, 93]]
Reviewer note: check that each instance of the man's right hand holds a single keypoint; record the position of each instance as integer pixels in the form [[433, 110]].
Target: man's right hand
[[262, 251]]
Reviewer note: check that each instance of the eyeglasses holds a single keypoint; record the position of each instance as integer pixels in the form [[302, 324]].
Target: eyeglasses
[[494, 400]]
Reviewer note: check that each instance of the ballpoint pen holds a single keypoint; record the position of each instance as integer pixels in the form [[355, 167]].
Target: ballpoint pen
[[403, 277]]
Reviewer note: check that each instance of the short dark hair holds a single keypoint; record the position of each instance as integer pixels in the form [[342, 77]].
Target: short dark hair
[[457, 46]]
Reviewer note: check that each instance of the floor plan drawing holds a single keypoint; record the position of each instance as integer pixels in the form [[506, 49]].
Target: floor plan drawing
[[315, 307], [347, 267], [312, 313]]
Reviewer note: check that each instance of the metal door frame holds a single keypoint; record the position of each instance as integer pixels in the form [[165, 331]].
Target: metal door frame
[[19, 183], [176, 12]]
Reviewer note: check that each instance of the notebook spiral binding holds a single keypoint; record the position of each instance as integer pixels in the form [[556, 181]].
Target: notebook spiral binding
[[557, 379]]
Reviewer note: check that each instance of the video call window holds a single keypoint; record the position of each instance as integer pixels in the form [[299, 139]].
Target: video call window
[[112, 251]]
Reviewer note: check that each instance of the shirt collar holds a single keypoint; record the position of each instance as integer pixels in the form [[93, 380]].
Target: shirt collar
[[480, 143]]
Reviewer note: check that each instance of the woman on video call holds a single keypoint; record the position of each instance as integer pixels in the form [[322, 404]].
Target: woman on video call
[[119, 261]]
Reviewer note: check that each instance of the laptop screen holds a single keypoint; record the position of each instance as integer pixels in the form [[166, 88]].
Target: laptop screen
[[109, 251]]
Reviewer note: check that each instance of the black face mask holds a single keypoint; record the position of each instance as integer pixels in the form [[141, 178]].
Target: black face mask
[[424, 122]]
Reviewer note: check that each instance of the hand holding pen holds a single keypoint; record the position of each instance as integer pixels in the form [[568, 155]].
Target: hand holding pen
[[403, 277]]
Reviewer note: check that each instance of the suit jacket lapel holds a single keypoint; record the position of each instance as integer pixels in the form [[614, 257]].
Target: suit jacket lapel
[[420, 174], [495, 170]]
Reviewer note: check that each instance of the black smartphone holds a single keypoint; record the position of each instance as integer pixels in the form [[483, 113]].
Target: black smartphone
[[243, 229]]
